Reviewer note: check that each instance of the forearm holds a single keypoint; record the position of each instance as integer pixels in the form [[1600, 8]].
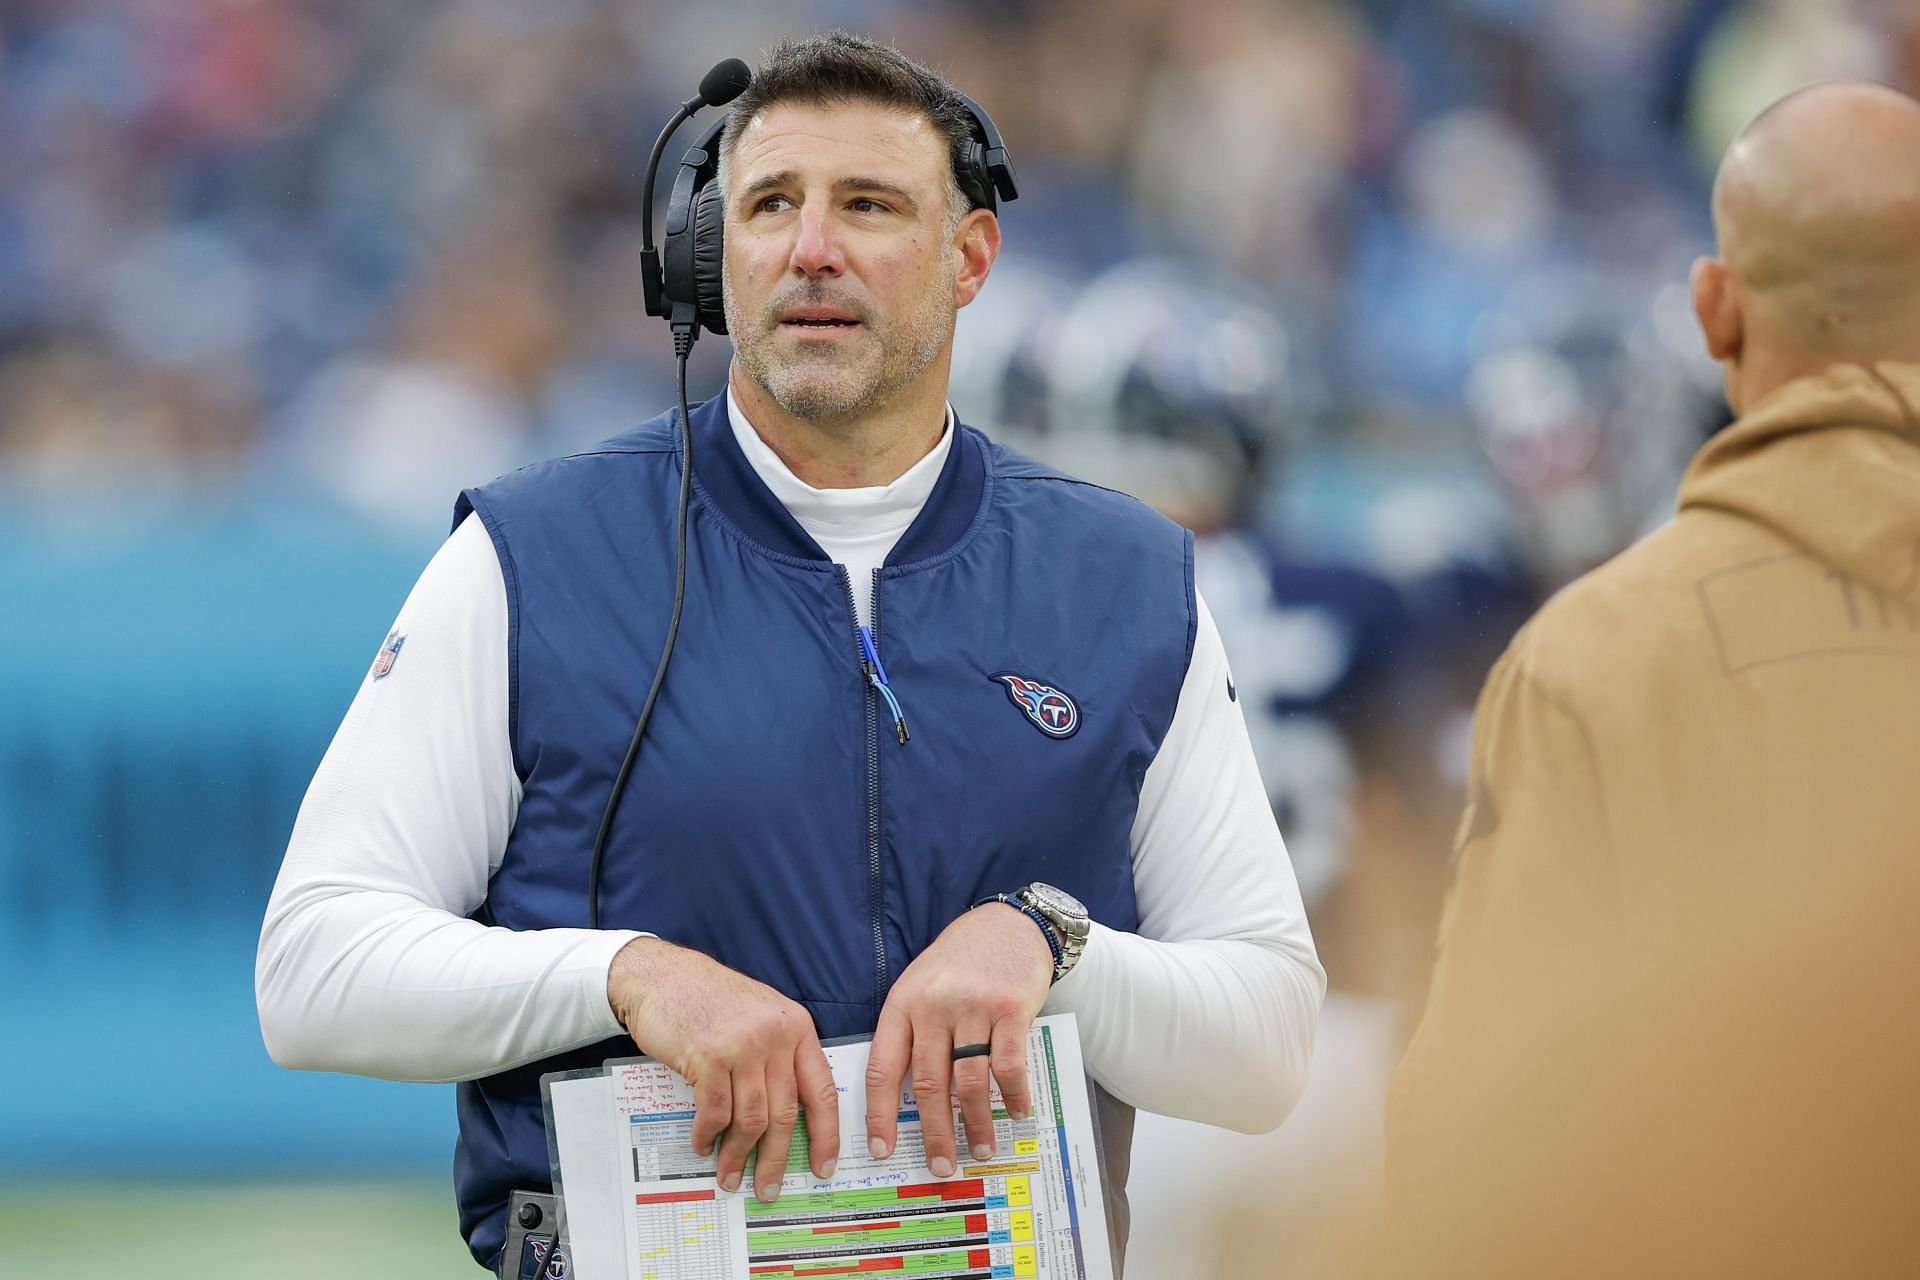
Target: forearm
[[376, 983], [1214, 1030]]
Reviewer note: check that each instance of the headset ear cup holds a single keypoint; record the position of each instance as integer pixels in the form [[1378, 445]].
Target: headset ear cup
[[970, 173], [709, 250]]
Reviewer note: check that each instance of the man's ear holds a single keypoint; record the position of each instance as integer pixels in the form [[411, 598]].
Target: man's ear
[[977, 239], [1717, 306]]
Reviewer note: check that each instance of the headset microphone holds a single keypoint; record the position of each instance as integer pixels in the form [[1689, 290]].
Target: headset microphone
[[727, 81]]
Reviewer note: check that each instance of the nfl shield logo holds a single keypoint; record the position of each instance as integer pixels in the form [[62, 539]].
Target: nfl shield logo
[[389, 652]]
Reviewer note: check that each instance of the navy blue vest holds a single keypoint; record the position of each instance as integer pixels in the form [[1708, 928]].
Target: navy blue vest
[[773, 820]]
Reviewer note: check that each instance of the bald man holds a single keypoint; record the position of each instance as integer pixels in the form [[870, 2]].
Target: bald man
[[1674, 1028]]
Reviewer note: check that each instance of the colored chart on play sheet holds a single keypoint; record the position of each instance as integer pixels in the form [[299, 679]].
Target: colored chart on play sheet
[[964, 1227], [1033, 1212]]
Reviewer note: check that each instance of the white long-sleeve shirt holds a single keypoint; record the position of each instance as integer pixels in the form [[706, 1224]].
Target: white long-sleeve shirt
[[369, 964]]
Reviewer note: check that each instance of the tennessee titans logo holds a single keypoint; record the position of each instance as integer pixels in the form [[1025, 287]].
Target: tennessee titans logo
[[1050, 709]]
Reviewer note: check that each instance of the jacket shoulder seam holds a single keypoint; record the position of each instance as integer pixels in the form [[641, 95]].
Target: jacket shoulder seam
[[510, 578], [1525, 671]]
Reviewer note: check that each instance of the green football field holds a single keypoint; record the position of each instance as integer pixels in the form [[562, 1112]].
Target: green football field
[[280, 1228]]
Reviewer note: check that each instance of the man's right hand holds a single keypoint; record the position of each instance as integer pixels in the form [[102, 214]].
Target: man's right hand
[[751, 1054]]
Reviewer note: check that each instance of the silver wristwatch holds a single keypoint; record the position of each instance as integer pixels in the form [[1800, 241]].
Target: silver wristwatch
[[1065, 913]]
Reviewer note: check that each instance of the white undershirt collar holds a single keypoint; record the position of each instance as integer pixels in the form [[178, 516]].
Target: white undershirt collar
[[850, 521]]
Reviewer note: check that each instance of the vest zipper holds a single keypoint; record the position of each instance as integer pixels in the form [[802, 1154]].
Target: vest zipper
[[875, 890]]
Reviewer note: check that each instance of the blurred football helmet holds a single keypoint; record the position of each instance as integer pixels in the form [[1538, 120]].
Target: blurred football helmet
[[1588, 409], [1002, 346], [1171, 388]]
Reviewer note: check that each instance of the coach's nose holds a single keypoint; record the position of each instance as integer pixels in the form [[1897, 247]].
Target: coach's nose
[[817, 253]]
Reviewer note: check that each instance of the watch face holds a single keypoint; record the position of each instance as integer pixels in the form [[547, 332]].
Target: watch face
[[1052, 899]]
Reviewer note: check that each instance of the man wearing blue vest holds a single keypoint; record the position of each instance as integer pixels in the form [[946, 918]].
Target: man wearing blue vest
[[948, 739]]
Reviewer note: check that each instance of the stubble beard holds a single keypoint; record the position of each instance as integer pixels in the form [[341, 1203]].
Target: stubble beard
[[826, 386]]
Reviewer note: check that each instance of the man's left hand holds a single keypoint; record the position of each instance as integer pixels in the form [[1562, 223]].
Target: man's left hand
[[981, 982]]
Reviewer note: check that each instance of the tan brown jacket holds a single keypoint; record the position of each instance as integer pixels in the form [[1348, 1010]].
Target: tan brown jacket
[[1675, 1024]]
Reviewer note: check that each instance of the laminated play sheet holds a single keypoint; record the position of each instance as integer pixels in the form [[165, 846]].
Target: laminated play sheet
[[641, 1205]]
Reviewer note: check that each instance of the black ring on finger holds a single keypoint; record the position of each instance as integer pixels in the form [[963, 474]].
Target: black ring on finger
[[971, 1051]]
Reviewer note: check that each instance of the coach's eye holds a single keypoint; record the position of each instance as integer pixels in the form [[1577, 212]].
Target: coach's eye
[[774, 204]]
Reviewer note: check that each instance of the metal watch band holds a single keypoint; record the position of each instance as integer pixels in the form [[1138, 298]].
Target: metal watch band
[[1070, 925]]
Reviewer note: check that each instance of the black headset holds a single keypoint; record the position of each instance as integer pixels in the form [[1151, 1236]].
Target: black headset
[[688, 294]]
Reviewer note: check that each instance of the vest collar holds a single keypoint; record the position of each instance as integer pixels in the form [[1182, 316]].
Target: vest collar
[[729, 483]]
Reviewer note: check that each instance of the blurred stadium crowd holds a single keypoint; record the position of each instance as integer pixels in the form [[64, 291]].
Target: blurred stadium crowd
[[1386, 295], [332, 244], [1385, 298]]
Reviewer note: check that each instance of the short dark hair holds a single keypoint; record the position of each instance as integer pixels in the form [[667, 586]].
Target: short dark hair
[[835, 67]]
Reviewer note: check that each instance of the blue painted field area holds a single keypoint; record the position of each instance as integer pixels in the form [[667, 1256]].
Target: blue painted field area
[[143, 1057], [165, 693]]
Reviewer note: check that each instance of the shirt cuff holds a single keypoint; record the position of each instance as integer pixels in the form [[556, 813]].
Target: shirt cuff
[[596, 961]]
